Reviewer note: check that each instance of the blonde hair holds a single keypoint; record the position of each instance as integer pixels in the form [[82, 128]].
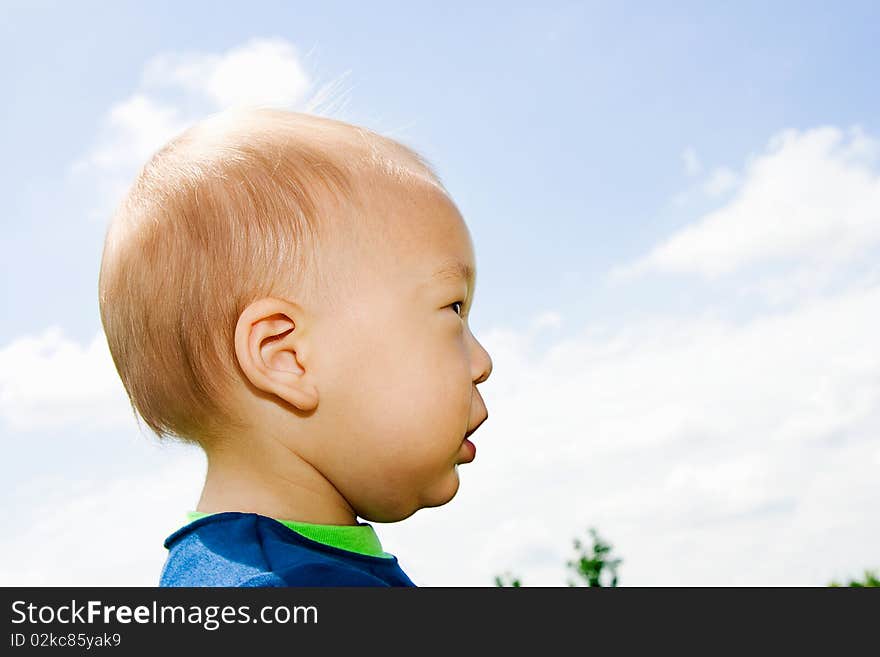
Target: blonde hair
[[233, 209]]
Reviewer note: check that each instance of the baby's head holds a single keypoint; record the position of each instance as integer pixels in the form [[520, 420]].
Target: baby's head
[[278, 284]]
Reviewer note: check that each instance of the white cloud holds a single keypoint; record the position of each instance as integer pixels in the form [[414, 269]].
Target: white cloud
[[720, 181], [810, 195], [692, 166], [713, 185], [549, 319], [261, 71], [179, 89], [137, 127], [108, 531], [49, 381]]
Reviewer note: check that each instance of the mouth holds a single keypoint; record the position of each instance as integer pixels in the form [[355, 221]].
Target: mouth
[[476, 426], [470, 451], [470, 448]]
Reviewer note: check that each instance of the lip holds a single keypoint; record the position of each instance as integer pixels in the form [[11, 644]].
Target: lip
[[471, 450], [476, 426], [468, 446]]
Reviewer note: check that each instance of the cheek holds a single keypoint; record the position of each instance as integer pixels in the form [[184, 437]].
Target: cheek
[[403, 389], [416, 428]]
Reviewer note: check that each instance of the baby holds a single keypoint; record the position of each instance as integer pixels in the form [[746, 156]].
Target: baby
[[291, 293]]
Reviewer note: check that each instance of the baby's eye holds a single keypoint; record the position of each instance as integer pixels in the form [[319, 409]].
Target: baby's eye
[[460, 303]]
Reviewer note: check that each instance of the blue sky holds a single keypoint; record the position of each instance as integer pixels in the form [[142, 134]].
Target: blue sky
[[676, 223]]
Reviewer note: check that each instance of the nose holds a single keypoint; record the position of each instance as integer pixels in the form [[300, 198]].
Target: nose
[[483, 363]]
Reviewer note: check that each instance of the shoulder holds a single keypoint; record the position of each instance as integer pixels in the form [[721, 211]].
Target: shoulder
[[315, 574], [243, 549]]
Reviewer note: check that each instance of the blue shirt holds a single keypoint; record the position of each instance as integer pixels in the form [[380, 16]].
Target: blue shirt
[[248, 549]]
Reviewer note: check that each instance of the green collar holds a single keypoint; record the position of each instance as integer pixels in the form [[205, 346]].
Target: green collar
[[360, 538]]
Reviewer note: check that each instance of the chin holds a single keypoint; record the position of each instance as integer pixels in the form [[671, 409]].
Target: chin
[[443, 492], [439, 494], [384, 516]]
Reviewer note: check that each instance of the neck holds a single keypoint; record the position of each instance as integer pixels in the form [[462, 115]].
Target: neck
[[272, 480]]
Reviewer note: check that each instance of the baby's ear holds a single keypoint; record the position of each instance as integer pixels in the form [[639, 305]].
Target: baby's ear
[[269, 342]]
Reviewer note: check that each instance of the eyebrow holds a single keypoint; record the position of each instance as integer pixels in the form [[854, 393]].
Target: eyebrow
[[456, 269]]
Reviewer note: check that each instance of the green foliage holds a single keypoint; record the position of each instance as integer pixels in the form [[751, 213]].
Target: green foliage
[[870, 581], [500, 580], [592, 565]]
